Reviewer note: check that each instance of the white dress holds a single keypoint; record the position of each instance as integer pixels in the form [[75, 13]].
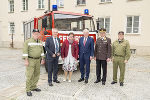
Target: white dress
[[70, 63]]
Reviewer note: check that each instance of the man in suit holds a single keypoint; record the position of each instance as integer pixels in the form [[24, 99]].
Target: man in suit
[[102, 55], [86, 53], [52, 47]]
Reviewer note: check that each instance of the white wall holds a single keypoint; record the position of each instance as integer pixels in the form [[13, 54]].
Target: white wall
[[18, 17], [118, 10]]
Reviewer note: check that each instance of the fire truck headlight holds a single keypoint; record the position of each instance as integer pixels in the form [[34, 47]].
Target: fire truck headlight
[[86, 11], [54, 7]]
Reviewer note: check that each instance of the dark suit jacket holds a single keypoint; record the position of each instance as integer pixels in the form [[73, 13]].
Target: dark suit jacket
[[88, 49], [50, 47], [103, 49]]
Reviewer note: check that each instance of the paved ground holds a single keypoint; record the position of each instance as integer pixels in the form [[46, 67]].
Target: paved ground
[[12, 82]]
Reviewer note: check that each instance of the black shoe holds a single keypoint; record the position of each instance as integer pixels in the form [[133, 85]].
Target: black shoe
[[97, 81], [37, 90], [86, 81], [29, 93], [121, 84], [113, 82], [80, 80], [50, 84], [56, 81], [103, 83]]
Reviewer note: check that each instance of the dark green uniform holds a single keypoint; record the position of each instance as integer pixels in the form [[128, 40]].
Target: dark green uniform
[[120, 53], [33, 51]]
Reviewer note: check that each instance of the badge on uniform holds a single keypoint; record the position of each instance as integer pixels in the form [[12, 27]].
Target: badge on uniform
[[104, 39]]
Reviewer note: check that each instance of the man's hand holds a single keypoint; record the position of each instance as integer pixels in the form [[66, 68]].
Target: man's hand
[[126, 61], [112, 59], [42, 61], [108, 59], [53, 55], [91, 58], [26, 62], [94, 58], [58, 54]]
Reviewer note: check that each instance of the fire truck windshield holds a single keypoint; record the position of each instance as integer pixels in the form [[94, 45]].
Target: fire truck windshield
[[68, 22]]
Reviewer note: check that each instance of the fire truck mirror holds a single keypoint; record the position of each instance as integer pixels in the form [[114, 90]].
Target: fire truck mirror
[[44, 22]]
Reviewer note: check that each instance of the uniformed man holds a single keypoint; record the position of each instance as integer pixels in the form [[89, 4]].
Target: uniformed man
[[120, 56], [33, 53], [102, 55]]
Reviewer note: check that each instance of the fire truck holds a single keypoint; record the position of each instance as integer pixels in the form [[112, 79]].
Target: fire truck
[[65, 22]]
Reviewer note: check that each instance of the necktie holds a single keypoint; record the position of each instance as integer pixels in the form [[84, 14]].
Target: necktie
[[84, 41], [56, 48]]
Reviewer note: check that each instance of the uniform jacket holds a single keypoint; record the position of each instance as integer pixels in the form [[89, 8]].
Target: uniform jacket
[[50, 47], [74, 49], [33, 48], [121, 49], [103, 49], [88, 49]]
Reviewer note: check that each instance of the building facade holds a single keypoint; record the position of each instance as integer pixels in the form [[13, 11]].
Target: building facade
[[130, 16]]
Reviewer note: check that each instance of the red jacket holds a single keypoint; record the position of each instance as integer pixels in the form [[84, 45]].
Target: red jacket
[[74, 49]]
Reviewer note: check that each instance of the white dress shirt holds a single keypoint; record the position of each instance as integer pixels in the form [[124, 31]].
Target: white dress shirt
[[85, 40], [55, 43]]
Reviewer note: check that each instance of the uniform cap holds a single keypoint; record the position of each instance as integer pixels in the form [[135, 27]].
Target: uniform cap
[[121, 32], [35, 30], [102, 30]]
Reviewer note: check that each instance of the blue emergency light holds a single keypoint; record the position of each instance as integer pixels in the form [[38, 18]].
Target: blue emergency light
[[54, 7], [86, 11]]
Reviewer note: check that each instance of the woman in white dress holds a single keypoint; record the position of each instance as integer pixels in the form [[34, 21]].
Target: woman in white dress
[[69, 54]]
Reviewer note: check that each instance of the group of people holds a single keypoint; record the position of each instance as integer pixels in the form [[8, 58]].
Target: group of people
[[102, 51]]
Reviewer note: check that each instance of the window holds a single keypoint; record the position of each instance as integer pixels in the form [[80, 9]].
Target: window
[[12, 27], [103, 1], [25, 5], [81, 2], [73, 22], [132, 24], [11, 5], [60, 3], [103, 23], [49, 22], [41, 4], [46, 22], [27, 29], [39, 24]]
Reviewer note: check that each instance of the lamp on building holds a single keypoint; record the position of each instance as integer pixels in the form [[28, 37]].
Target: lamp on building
[[86, 11], [54, 7]]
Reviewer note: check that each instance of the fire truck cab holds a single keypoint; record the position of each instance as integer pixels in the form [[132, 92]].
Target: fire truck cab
[[65, 22]]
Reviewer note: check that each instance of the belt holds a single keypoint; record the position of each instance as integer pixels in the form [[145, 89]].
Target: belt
[[34, 57], [119, 56]]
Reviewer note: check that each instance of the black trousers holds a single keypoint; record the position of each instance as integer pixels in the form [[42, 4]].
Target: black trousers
[[52, 69], [101, 64]]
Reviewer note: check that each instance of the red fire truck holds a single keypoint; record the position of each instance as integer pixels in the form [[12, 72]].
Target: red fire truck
[[65, 22]]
